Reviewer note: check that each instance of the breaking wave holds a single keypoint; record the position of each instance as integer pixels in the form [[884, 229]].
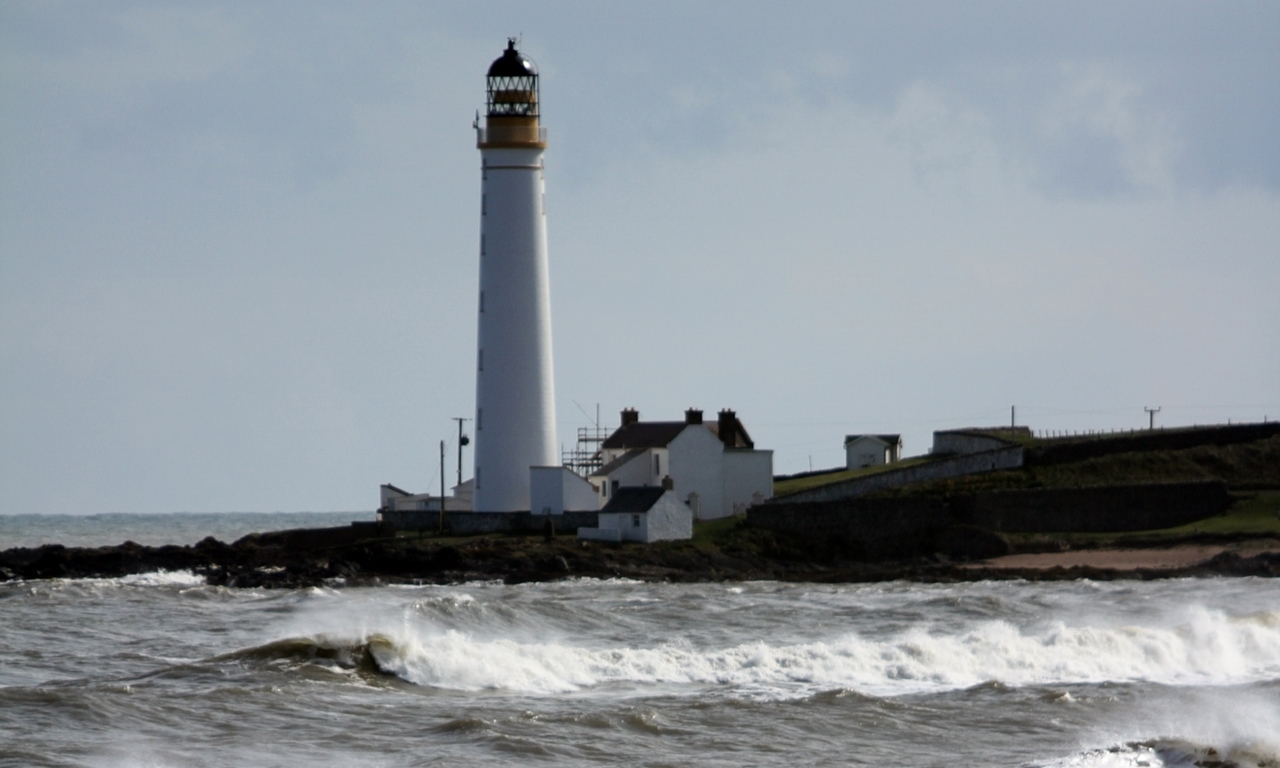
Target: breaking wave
[[1169, 753], [1210, 649]]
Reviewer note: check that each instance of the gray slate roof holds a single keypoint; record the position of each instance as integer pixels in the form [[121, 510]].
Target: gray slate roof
[[890, 439], [634, 498], [623, 459]]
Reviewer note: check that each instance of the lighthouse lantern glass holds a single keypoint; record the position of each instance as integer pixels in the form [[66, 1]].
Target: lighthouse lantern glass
[[513, 96]]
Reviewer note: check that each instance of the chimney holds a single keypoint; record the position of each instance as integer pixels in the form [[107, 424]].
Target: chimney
[[668, 483], [693, 416], [630, 416], [728, 427]]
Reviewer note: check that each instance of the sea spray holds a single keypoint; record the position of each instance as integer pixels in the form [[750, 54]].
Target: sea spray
[[1209, 648]]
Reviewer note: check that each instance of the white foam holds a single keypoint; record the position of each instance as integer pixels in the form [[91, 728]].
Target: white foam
[[1164, 753], [163, 579], [1211, 649]]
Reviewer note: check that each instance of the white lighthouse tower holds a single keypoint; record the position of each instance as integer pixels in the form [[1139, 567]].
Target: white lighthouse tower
[[515, 385]]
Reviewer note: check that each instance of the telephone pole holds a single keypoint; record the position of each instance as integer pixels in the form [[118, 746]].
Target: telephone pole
[[1151, 412], [441, 486], [462, 440]]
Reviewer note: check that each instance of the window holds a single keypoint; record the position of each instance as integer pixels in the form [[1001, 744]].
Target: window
[[479, 419], [480, 366], [483, 207], [657, 464], [482, 302], [481, 243], [614, 489], [635, 521], [477, 469]]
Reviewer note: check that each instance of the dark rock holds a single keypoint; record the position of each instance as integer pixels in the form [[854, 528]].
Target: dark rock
[[969, 543], [447, 559]]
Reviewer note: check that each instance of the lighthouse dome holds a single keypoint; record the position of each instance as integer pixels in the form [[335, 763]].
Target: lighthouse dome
[[512, 63]]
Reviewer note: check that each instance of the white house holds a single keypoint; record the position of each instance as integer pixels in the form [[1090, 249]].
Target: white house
[[645, 514], [871, 450], [714, 468], [396, 499], [556, 490]]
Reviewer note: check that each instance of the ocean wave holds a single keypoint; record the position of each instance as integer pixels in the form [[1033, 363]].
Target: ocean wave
[[1168, 753], [1210, 649], [163, 579]]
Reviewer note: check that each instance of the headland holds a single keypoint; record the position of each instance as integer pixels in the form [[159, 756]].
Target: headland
[[1077, 508]]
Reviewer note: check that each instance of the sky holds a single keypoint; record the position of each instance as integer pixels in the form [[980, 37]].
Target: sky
[[239, 241]]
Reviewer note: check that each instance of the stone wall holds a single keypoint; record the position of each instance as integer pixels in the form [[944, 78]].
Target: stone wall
[[1065, 450], [904, 526], [864, 528], [959, 441], [467, 523], [1091, 510], [937, 469]]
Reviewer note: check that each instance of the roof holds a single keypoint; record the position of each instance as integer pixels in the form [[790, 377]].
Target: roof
[[887, 439], [512, 63], [657, 434], [623, 459], [634, 498], [400, 491], [645, 434]]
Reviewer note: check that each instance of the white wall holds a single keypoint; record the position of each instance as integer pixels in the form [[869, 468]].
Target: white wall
[[748, 476], [552, 490], [515, 425], [669, 519], [697, 465], [637, 471], [856, 451]]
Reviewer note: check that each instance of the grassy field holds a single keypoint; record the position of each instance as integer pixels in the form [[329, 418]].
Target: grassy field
[[1256, 463], [795, 484], [1252, 515]]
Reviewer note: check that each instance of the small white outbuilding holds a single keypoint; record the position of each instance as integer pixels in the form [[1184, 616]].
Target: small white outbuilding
[[642, 513], [871, 450]]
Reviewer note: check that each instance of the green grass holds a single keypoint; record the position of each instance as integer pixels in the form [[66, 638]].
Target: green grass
[[1251, 515], [797, 484], [1256, 463]]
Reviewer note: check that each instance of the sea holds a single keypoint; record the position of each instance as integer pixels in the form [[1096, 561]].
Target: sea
[[160, 669]]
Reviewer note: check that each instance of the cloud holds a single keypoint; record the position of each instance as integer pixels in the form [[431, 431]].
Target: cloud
[[1100, 134]]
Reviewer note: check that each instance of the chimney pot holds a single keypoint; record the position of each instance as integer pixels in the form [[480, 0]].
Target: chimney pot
[[668, 483], [727, 426], [630, 416], [693, 416]]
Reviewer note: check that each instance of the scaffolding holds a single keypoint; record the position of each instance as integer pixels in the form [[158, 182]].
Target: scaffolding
[[586, 456]]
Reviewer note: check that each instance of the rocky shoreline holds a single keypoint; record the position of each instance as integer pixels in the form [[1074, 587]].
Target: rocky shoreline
[[306, 558]]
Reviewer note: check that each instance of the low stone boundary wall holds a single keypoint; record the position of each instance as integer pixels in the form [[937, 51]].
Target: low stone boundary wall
[[1078, 449], [905, 526], [467, 523], [938, 469], [1092, 510], [861, 527]]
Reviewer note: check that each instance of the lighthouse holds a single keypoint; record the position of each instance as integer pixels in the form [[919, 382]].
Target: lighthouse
[[515, 385]]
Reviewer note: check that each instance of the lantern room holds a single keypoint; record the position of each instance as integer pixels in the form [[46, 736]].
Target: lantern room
[[511, 111]]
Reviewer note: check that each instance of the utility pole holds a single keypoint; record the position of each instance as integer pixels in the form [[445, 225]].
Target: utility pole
[[1013, 417], [441, 486], [462, 440], [1151, 412]]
